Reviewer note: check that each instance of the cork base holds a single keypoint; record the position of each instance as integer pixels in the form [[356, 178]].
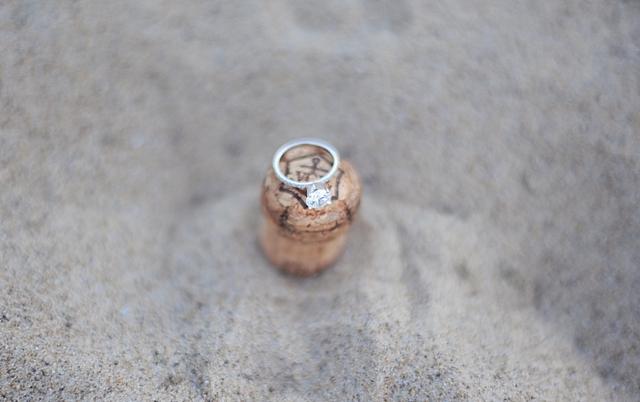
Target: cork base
[[302, 259]]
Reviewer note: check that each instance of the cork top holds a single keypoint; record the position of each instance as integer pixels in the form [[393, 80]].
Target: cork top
[[285, 206]]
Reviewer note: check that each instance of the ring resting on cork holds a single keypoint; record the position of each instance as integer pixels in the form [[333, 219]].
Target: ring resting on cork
[[317, 194]]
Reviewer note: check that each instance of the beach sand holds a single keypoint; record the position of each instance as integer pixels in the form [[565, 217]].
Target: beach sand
[[497, 251]]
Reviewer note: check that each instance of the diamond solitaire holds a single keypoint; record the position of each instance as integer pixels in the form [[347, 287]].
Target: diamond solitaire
[[317, 194]]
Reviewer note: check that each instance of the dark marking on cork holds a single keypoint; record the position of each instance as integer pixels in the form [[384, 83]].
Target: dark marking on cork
[[352, 212], [295, 192], [282, 219], [335, 226], [313, 169], [338, 178]]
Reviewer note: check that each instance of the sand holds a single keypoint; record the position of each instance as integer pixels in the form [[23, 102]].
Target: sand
[[496, 256]]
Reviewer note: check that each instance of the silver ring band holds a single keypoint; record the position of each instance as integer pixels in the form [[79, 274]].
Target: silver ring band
[[306, 141]]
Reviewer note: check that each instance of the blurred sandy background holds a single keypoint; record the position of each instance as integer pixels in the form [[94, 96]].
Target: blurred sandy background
[[496, 257]]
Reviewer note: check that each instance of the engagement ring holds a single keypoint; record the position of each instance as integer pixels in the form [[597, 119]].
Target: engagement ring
[[317, 194]]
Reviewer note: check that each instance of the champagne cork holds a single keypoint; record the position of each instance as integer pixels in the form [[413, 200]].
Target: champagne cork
[[297, 239]]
